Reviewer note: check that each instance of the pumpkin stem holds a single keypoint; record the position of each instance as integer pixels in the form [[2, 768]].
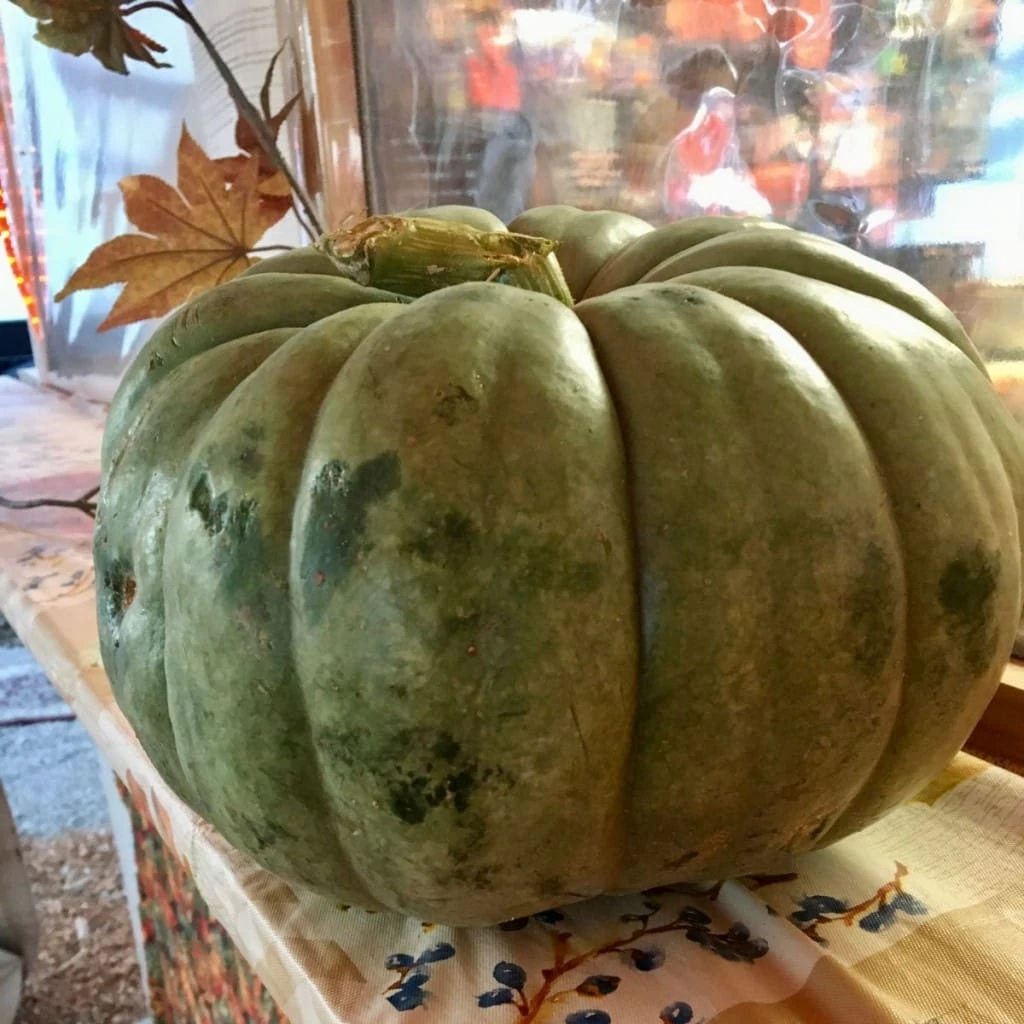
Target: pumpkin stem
[[417, 255]]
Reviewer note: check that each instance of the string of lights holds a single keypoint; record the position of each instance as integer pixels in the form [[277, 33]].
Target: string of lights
[[20, 279], [29, 275]]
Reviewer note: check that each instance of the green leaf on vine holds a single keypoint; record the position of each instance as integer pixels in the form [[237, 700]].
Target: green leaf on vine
[[99, 27]]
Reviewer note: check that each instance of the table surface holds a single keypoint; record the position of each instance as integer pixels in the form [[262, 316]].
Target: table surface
[[918, 919]]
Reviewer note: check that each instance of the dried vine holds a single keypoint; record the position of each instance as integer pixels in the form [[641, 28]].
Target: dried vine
[[308, 216], [85, 504]]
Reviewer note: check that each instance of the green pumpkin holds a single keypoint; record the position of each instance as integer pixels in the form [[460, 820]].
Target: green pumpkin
[[475, 603]]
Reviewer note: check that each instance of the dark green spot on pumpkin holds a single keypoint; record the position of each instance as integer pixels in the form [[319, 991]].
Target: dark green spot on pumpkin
[[450, 401], [872, 610], [250, 457], [411, 799], [237, 544], [251, 460], [408, 801], [483, 877], [341, 748], [423, 770], [525, 559], [967, 591], [444, 539], [461, 786], [460, 623], [210, 509], [446, 747], [542, 564], [341, 500]]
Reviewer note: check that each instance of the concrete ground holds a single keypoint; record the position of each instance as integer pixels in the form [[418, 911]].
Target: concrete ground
[[87, 969], [48, 763]]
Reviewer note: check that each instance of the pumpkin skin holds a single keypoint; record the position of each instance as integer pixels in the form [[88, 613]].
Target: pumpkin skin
[[475, 605]]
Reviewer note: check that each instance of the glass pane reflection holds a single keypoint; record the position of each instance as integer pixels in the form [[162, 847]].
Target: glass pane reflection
[[895, 126]]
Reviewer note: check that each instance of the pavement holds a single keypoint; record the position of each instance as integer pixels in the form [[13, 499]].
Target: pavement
[[25, 694], [48, 764]]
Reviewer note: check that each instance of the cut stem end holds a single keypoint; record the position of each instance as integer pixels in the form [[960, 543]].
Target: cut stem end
[[414, 256]]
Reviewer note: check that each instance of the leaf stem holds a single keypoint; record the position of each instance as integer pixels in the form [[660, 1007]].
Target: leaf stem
[[248, 110], [313, 234], [84, 504], [149, 5]]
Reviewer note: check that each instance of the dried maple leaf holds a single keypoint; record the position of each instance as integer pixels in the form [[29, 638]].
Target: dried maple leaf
[[275, 192], [197, 236], [98, 27], [247, 139]]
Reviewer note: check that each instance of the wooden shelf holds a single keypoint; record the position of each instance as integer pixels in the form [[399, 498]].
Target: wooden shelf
[[1000, 733]]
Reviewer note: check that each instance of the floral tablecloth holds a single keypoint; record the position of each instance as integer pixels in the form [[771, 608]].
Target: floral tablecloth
[[918, 920]]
